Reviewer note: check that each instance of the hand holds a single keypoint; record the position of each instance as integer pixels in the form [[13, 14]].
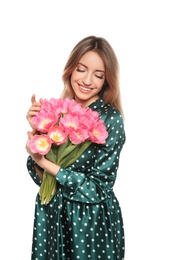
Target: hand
[[36, 156], [35, 107]]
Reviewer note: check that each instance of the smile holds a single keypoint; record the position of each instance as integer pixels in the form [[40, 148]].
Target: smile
[[85, 88]]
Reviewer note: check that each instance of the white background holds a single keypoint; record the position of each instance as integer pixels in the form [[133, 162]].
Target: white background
[[36, 37]]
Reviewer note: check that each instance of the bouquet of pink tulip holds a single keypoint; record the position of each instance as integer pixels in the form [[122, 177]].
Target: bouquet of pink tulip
[[65, 131]]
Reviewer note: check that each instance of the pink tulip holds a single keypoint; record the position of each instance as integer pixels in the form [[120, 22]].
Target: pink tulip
[[40, 144], [57, 135], [79, 136], [98, 133], [43, 121], [69, 122]]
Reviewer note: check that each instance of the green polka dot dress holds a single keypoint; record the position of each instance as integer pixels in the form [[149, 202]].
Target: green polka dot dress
[[83, 220]]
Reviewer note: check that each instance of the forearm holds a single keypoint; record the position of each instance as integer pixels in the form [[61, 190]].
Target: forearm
[[49, 166], [39, 172]]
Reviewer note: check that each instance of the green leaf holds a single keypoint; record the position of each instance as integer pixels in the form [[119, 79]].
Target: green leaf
[[61, 148], [51, 156], [66, 152], [74, 154]]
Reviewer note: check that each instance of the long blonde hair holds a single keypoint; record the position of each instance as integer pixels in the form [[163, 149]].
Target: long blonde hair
[[111, 89]]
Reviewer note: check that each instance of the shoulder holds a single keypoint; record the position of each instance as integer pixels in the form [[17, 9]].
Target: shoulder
[[110, 114], [113, 121]]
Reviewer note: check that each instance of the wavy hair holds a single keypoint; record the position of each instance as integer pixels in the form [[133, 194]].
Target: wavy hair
[[111, 90]]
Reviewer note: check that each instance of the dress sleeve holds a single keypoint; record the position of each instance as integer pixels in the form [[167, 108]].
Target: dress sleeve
[[31, 170], [96, 185]]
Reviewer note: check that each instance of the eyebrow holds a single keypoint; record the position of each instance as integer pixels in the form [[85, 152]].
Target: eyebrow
[[86, 67]]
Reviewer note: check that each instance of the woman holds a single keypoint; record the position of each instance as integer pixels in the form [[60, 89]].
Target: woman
[[83, 220]]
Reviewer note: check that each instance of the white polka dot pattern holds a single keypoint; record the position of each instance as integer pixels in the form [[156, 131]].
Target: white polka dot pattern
[[84, 220]]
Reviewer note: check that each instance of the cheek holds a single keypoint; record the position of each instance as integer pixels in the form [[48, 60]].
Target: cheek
[[73, 81], [100, 86], [74, 77]]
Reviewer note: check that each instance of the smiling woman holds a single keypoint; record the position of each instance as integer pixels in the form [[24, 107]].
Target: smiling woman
[[106, 58], [83, 219]]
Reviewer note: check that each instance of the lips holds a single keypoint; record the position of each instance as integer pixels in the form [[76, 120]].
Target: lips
[[85, 89]]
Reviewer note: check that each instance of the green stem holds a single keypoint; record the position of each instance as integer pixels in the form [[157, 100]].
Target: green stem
[[66, 154]]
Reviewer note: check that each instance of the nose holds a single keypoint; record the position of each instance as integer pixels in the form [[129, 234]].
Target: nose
[[87, 80]]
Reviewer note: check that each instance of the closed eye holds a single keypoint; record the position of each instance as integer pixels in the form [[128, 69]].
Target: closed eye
[[80, 70], [100, 77]]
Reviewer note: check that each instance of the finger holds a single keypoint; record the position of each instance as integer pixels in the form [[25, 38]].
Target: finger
[[30, 134], [33, 99], [34, 131], [33, 111], [41, 100], [34, 102], [30, 114]]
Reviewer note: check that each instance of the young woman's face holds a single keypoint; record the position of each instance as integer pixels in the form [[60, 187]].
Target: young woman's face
[[88, 78]]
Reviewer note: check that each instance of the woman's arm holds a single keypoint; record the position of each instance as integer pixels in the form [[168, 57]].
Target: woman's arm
[[95, 185], [38, 162]]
